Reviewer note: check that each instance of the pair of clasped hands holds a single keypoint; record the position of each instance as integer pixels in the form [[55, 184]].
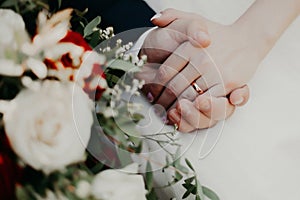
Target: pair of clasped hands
[[195, 70]]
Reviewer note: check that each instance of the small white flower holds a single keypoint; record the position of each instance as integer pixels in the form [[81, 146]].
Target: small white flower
[[140, 63], [50, 128], [10, 68], [110, 112], [83, 189], [144, 58], [119, 184]]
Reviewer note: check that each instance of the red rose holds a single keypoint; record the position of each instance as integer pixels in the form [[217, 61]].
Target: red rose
[[77, 39], [94, 92], [8, 170], [91, 86]]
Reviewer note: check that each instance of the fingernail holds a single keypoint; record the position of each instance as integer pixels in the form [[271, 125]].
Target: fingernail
[[239, 101], [174, 117], [165, 119], [202, 38], [205, 104], [150, 97], [184, 109], [158, 15]]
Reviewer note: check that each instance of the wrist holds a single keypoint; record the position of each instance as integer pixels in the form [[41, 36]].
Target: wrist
[[266, 20], [260, 41]]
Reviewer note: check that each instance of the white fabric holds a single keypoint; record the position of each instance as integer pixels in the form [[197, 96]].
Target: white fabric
[[139, 43], [257, 156]]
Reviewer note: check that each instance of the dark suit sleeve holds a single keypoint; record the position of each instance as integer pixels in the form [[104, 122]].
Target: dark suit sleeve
[[121, 14]]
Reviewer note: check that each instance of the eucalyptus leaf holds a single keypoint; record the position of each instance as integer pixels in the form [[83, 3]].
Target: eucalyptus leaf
[[188, 192], [123, 65], [189, 180], [199, 189], [178, 176], [149, 176], [152, 195], [209, 193], [59, 3], [124, 157], [89, 29], [189, 164], [9, 3]]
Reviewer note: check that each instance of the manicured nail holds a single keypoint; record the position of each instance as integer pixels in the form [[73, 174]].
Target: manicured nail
[[202, 104], [150, 97], [184, 108], [239, 101], [202, 38], [174, 117], [205, 105], [158, 15], [165, 119]]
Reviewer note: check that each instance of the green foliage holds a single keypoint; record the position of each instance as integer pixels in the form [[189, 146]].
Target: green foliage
[[209, 193], [91, 27], [118, 64]]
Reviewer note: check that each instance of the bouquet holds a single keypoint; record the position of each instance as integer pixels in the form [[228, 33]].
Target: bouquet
[[68, 122]]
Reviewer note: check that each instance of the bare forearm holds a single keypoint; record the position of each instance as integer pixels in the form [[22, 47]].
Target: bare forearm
[[266, 20]]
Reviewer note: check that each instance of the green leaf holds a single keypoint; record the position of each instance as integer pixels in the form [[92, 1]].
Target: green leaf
[[123, 65], [136, 117], [199, 189], [149, 176], [59, 3], [89, 29], [151, 195], [210, 194], [9, 3], [189, 164], [189, 180], [189, 191], [178, 176], [124, 157]]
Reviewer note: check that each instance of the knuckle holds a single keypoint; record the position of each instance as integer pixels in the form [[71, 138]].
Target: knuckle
[[188, 94], [169, 11], [171, 90], [194, 24], [162, 75]]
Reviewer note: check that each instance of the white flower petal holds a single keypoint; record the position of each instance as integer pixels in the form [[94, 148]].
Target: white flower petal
[[55, 124], [38, 67], [9, 68]]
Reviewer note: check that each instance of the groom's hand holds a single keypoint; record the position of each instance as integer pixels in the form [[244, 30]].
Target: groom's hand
[[177, 28]]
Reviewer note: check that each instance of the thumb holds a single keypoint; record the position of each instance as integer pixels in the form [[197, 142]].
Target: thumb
[[190, 27]]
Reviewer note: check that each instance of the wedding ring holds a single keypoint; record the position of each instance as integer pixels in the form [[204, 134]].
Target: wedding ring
[[197, 88]]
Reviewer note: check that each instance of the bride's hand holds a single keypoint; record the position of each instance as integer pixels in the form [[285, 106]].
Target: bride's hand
[[228, 63], [175, 28]]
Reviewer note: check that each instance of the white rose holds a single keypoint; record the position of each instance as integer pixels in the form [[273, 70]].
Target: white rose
[[13, 33], [49, 31], [13, 36], [50, 128], [119, 184]]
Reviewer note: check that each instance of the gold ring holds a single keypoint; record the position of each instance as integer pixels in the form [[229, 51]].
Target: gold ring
[[197, 88]]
